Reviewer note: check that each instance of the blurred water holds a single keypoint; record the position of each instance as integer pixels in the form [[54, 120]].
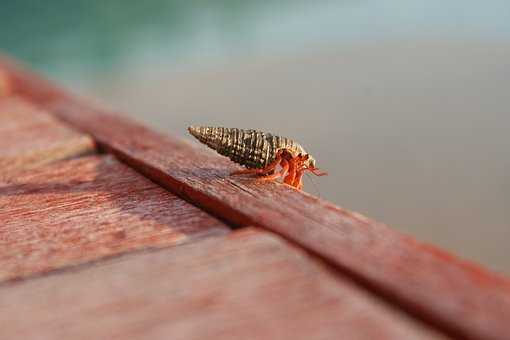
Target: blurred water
[[67, 38], [404, 103]]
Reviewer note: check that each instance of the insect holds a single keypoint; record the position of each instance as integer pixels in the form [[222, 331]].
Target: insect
[[260, 152]]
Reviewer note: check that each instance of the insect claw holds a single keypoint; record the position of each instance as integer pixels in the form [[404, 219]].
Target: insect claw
[[318, 172]]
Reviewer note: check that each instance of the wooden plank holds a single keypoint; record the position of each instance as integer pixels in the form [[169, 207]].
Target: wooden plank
[[5, 86], [18, 80], [461, 298], [31, 137], [248, 286], [85, 209]]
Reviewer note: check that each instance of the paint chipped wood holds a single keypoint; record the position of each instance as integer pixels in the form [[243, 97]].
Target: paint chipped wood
[[86, 209]]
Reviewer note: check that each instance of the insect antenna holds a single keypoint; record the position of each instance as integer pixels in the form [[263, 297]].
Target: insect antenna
[[314, 185]]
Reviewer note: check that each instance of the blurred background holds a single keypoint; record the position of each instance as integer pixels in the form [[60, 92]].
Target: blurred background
[[405, 103]]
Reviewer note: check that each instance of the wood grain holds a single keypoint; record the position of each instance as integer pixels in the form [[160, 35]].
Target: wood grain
[[81, 210], [30, 137], [251, 285], [459, 297]]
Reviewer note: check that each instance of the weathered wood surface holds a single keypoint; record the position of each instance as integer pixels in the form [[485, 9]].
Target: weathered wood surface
[[249, 285], [30, 137], [85, 209], [459, 297]]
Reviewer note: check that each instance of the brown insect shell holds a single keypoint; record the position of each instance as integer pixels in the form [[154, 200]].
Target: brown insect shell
[[239, 145]]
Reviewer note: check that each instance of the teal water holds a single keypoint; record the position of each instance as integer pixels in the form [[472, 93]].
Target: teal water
[[83, 36]]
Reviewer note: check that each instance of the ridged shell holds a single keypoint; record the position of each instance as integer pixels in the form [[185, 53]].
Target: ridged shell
[[251, 148]]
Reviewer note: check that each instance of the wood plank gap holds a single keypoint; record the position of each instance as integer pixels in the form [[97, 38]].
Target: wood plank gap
[[85, 209], [31, 137], [248, 284], [95, 262]]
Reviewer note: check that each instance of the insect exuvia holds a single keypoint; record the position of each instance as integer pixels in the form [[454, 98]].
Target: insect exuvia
[[260, 152]]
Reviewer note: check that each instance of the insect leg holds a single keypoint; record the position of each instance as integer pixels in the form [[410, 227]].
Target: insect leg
[[285, 167], [291, 172], [274, 176], [265, 170], [298, 181], [318, 172], [249, 171], [295, 177]]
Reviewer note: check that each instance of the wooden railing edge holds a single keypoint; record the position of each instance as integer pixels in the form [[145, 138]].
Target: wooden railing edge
[[458, 297]]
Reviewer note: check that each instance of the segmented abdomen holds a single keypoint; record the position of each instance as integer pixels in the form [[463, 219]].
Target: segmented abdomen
[[251, 148]]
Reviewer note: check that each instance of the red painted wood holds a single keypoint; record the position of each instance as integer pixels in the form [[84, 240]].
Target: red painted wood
[[5, 86], [30, 137], [19, 80], [459, 297], [251, 285], [81, 210]]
